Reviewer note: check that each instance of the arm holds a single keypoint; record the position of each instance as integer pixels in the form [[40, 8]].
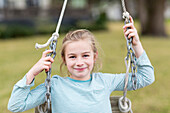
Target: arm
[[43, 63], [145, 71], [22, 98], [145, 76]]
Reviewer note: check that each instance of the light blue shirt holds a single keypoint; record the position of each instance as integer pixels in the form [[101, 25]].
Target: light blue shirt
[[74, 96]]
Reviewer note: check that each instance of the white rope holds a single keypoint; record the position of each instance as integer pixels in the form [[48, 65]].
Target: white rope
[[61, 16], [123, 6], [55, 35], [125, 13], [41, 110], [125, 108], [127, 63], [124, 103]]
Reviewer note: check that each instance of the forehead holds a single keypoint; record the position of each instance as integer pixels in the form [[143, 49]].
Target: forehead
[[80, 46]]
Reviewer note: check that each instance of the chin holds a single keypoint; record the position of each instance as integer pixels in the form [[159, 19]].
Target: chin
[[81, 76]]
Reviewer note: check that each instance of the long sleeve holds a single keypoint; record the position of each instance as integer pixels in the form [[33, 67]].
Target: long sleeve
[[22, 98], [145, 71], [144, 74]]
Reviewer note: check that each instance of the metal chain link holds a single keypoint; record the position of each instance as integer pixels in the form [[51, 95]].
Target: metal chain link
[[52, 46], [132, 57], [130, 51], [130, 61], [48, 73]]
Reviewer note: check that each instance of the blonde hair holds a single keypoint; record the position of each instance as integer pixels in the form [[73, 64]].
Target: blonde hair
[[81, 34]]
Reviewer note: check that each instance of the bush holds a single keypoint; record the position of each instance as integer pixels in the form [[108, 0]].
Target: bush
[[16, 31], [18, 28]]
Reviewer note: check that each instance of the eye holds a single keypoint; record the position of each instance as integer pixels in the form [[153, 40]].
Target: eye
[[72, 57], [86, 55]]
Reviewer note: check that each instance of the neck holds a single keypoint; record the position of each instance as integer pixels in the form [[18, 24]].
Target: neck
[[80, 78]]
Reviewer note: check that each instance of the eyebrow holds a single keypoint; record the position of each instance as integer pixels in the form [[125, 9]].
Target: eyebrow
[[82, 53]]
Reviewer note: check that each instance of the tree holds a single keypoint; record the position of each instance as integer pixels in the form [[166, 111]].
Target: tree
[[6, 9], [151, 15]]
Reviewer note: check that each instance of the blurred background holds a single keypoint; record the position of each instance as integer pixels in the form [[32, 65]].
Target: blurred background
[[25, 22], [30, 17]]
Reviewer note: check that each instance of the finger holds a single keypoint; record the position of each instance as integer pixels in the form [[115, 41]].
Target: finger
[[46, 67], [46, 52], [47, 63], [128, 32], [128, 26], [49, 66], [131, 20], [50, 59], [131, 35]]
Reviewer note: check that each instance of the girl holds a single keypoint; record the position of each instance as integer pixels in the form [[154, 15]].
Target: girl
[[83, 91]]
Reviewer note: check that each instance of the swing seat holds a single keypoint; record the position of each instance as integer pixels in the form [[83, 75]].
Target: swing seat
[[113, 101]]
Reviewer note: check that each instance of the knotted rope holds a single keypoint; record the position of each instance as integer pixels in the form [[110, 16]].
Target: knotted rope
[[55, 35], [124, 103], [53, 43]]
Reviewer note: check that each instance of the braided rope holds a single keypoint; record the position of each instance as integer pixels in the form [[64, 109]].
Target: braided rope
[[123, 6], [55, 35], [125, 13], [53, 43], [127, 63], [126, 106], [124, 103]]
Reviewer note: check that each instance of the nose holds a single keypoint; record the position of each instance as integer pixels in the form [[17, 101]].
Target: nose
[[79, 62]]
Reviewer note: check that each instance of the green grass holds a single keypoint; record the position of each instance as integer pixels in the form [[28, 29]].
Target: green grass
[[19, 55]]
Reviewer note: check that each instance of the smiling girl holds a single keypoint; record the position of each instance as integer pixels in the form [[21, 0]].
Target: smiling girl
[[83, 91]]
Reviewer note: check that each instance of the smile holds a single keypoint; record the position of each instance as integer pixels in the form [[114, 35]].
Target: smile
[[80, 69]]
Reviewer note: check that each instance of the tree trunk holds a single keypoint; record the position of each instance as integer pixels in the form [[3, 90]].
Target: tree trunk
[[151, 15]]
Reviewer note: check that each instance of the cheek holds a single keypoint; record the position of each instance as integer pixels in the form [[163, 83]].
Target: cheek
[[69, 67], [91, 63], [69, 64]]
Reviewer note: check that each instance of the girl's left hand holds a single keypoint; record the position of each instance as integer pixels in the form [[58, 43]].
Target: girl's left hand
[[130, 31]]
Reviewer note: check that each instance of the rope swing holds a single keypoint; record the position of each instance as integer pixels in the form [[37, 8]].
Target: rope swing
[[123, 103], [53, 43]]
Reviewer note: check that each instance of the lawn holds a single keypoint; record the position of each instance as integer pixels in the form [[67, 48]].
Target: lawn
[[19, 55]]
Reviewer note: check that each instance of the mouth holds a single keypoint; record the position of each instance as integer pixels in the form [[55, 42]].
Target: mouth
[[80, 69]]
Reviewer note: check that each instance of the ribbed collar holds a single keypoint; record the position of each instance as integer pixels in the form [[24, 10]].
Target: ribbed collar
[[80, 80]]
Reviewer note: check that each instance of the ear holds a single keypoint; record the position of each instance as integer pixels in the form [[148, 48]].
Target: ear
[[64, 61], [95, 56]]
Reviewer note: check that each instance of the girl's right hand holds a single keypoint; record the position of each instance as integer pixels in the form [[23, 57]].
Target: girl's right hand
[[43, 64]]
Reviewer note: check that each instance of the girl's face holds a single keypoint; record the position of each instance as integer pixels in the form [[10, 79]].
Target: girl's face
[[79, 59]]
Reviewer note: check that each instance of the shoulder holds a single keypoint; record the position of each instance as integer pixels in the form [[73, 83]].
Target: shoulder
[[57, 78], [104, 76], [100, 74], [107, 79]]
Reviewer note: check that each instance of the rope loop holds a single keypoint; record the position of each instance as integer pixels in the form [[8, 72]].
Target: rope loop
[[126, 16], [42, 109], [54, 37], [124, 105]]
